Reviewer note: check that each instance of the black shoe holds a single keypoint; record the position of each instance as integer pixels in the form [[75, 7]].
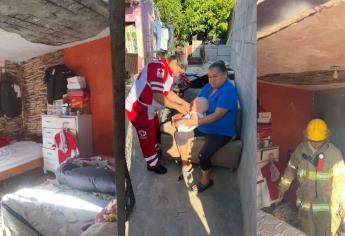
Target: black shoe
[[161, 170], [159, 153]]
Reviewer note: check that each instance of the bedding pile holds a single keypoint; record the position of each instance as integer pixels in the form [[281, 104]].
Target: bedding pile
[[91, 175], [51, 209]]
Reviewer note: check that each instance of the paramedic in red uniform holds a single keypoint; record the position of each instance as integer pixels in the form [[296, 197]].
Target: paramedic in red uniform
[[150, 92]]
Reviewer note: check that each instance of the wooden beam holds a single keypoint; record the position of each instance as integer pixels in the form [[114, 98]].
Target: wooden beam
[[117, 37]]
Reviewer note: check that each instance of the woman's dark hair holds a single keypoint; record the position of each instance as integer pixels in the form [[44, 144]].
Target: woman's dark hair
[[219, 65]]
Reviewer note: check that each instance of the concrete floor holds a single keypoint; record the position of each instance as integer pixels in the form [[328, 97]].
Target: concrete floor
[[164, 207], [27, 179]]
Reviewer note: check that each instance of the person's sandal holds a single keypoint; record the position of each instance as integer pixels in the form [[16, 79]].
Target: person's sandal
[[185, 174], [200, 187]]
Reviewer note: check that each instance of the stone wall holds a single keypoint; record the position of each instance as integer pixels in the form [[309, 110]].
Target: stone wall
[[35, 90], [12, 127], [243, 61]]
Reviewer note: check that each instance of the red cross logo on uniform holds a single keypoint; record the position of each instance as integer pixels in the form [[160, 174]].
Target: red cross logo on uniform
[[160, 73]]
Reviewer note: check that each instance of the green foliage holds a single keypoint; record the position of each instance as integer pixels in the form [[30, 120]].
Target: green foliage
[[206, 18]]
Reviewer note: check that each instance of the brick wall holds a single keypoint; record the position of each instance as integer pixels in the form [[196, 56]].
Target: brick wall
[[243, 61], [12, 126], [35, 90], [29, 75]]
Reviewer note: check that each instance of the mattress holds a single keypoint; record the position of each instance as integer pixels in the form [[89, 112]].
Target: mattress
[[268, 225], [20, 153], [51, 209]]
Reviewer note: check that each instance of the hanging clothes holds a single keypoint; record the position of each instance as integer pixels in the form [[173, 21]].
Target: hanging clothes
[[171, 36], [67, 145], [56, 79], [164, 39], [10, 101], [157, 26]]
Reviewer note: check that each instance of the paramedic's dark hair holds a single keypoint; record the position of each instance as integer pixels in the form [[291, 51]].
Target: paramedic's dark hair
[[219, 65], [178, 60]]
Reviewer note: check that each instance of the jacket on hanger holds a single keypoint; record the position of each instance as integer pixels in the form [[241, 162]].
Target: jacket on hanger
[[10, 97], [56, 79]]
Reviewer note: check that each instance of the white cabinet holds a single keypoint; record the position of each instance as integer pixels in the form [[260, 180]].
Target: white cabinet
[[80, 126]]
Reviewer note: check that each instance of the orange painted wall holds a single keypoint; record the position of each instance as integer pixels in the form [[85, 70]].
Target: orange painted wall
[[291, 110], [93, 60]]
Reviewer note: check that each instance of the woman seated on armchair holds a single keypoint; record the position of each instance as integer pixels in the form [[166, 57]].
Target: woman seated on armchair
[[218, 125]]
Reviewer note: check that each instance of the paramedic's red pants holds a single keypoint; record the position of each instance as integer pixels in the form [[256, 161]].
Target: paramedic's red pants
[[148, 133]]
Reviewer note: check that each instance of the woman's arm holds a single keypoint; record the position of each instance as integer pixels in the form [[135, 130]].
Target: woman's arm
[[216, 115]]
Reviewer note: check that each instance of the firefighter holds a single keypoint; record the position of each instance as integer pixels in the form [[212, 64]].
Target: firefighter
[[320, 171], [150, 92]]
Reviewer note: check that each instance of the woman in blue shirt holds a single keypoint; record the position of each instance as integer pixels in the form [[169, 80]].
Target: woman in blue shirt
[[218, 126]]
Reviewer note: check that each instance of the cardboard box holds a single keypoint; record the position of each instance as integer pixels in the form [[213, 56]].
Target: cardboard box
[[264, 117]]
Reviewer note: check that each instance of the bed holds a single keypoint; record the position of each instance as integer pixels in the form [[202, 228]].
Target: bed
[[267, 224], [51, 209], [19, 157]]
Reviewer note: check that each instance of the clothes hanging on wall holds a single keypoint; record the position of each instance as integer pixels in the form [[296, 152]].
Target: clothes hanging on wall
[[56, 79], [164, 39], [157, 28], [10, 97], [171, 36]]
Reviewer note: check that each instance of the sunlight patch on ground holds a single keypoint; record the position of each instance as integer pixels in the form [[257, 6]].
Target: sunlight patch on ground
[[199, 210], [46, 196]]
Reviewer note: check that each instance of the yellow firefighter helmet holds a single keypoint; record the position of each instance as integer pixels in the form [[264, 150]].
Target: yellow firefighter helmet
[[317, 130]]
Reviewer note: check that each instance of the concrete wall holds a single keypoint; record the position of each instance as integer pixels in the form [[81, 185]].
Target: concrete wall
[[217, 52], [271, 12], [329, 105], [243, 61]]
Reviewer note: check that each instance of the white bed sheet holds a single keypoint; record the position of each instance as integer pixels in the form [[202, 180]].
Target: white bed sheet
[[20, 153]]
